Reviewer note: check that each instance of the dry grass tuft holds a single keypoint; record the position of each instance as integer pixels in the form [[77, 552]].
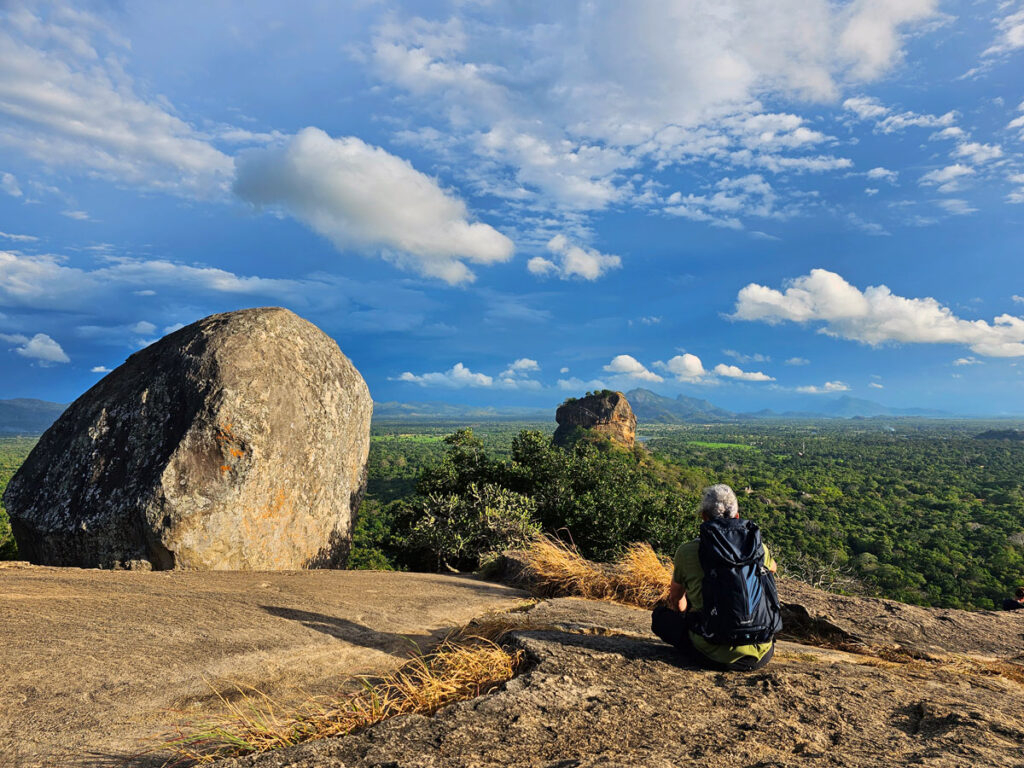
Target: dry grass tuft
[[460, 668], [639, 578]]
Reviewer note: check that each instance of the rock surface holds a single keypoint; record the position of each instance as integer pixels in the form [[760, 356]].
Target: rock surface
[[600, 690], [238, 442], [104, 662], [608, 414]]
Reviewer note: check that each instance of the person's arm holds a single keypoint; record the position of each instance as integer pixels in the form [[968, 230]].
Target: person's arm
[[676, 596]]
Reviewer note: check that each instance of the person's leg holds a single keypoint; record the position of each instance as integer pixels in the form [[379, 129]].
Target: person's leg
[[670, 626], [750, 664]]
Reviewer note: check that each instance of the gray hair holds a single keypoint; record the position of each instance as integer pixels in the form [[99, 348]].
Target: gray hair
[[719, 501]]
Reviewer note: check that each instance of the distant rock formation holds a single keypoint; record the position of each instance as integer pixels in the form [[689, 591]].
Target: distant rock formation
[[606, 412], [238, 442]]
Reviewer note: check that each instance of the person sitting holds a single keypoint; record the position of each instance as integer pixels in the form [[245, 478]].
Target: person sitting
[[723, 610], [1016, 602]]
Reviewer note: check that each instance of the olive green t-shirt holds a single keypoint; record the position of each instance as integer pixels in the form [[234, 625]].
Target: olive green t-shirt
[[688, 572]]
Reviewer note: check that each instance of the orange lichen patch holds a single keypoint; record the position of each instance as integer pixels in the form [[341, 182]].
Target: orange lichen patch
[[225, 468]]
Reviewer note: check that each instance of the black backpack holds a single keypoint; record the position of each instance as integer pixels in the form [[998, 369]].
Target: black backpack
[[741, 603]]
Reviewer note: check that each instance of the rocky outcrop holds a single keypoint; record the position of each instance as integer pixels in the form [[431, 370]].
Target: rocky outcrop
[[599, 690], [607, 413], [238, 442]]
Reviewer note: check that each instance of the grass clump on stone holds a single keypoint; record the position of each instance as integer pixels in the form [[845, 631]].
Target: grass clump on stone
[[461, 667], [639, 577]]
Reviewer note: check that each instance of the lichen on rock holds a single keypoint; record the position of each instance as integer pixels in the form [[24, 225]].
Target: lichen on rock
[[237, 442], [607, 413]]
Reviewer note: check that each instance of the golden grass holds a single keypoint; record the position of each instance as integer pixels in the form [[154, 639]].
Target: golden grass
[[460, 668], [640, 577]]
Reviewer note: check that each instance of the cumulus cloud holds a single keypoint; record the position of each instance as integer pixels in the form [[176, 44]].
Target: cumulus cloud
[[99, 369], [66, 100], [955, 206], [1010, 36], [826, 388], [18, 238], [578, 137], [977, 152], [520, 367], [457, 376], [888, 121], [876, 315], [734, 372], [947, 179], [9, 185], [685, 367], [579, 385], [741, 358], [44, 350], [967, 361], [883, 174], [362, 197], [572, 261], [629, 366], [798, 361]]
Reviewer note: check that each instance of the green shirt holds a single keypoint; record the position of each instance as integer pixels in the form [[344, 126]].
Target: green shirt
[[690, 575]]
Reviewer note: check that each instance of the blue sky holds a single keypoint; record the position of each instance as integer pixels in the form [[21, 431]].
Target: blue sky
[[759, 203]]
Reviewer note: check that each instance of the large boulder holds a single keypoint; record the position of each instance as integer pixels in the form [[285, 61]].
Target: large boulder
[[606, 412], [238, 442]]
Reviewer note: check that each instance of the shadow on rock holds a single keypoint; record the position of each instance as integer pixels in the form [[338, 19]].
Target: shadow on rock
[[355, 633]]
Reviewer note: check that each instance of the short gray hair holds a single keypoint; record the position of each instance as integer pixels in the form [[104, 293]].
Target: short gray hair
[[719, 501]]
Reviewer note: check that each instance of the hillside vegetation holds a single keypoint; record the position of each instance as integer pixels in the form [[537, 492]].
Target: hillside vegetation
[[919, 512]]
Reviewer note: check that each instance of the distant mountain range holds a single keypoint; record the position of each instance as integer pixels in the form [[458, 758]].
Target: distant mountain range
[[439, 411], [27, 417], [653, 408], [33, 417]]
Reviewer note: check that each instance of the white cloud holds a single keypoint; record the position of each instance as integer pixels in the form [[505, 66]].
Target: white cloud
[[457, 376], [629, 366], [43, 349], [19, 238], [650, 320], [13, 338], [1010, 36], [948, 178], [9, 184], [827, 387], [66, 100], [798, 361], [99, 369], [143, 328], [574, 131], [362, 197], [520, 367], [876, 315], [563, 369], [1018, 299], [76, 215], [956, 206], [887, 121], [876, 385], [685, 367], [741, 358], [884, 174], [977, 152], [967, 361], [870, 191], [579, 385], [572, 261], [733, 372]]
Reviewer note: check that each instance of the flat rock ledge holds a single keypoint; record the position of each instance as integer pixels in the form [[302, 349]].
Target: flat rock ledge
[[600, 690]]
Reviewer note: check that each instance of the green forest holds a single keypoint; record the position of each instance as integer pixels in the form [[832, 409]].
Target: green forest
[[926, 512], [930, 513]]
